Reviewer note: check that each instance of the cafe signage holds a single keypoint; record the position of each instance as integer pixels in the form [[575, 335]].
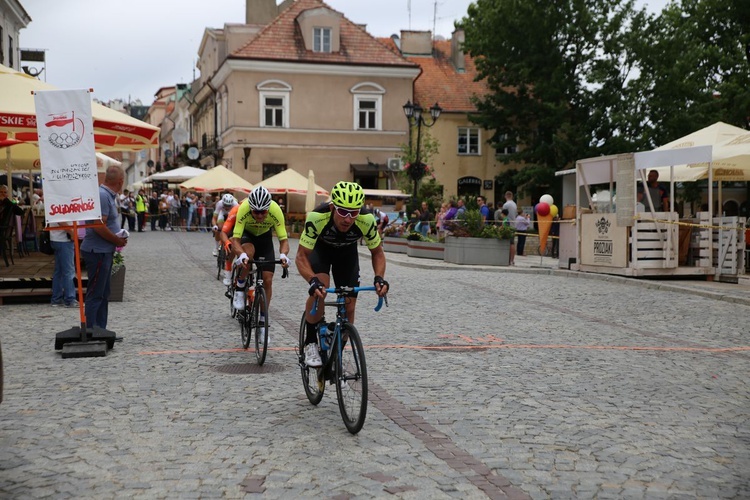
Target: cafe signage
[[603, 242]]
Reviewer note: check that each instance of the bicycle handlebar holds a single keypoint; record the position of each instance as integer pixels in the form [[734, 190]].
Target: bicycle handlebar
[[351, 289], [284, 272]]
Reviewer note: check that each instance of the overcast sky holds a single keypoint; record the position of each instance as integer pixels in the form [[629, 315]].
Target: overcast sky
[[128, 49]]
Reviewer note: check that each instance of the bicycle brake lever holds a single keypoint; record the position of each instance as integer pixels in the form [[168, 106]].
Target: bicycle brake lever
[[284, 272]]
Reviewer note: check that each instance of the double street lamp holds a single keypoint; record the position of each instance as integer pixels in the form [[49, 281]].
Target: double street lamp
[[415, 116]]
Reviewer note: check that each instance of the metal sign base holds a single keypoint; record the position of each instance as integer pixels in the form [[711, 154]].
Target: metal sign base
[[95, 334], [92, 349]]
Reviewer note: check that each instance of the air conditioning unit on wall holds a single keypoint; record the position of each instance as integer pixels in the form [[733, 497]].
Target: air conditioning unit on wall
[[394, 164]]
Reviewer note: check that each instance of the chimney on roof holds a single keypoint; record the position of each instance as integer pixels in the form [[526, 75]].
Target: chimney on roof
[[416, 43], [260, 11], [457, 50]]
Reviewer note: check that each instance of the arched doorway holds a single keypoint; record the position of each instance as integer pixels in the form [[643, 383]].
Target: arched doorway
[[469, 186]]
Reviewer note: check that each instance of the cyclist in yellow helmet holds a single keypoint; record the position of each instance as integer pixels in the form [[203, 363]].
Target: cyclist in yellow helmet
[[328, 245]]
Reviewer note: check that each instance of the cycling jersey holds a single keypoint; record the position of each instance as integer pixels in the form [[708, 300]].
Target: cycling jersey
[[319, 227], [221, 211], [247, 224], [228, 227]]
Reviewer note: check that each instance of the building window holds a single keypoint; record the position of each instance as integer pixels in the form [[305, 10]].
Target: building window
[[10, 51], [468, 141], [321, 39], [506, 150], [273, 96], [271, 169], [368, 106], [2, 51], [368, 113]]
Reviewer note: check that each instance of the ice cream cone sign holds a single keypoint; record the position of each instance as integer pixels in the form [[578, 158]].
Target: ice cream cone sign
[[544, 220]]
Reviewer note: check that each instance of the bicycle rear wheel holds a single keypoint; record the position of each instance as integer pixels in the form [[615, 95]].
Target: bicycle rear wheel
[[260, 305], [351, 380], [313, 389]]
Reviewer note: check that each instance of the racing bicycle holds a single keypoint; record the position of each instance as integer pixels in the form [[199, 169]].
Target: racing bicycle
[[343, 360], [256, 303]]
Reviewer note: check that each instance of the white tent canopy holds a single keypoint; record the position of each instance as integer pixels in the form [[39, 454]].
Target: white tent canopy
[[177, 175]]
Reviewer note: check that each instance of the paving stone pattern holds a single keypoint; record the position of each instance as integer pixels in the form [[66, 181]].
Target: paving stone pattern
[[520, 383]]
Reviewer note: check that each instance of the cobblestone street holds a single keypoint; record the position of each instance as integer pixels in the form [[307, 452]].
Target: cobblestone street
[[483, 383]]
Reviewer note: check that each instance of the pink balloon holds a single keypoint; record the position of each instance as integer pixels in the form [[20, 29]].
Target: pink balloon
[[542, 208]]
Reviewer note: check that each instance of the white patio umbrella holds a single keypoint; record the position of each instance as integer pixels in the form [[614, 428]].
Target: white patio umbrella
[[310, 195]]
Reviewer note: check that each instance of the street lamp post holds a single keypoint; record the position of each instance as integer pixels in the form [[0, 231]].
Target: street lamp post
[[414, 116]]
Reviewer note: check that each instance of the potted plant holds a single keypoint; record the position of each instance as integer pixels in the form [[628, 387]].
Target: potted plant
[[424, 247], [393, 239], [471, 241], [117, 281]]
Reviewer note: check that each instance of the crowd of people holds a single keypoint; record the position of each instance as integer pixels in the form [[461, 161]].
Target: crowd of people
[[506, 213]]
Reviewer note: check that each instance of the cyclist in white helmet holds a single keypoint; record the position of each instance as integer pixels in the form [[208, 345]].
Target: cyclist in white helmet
[[257, 215], [221, 211]]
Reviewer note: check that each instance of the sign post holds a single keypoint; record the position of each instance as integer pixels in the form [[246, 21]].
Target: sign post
[[65, 129]]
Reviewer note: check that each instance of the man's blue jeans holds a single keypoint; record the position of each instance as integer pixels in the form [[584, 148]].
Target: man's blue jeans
[[99, 269], [63, 287]]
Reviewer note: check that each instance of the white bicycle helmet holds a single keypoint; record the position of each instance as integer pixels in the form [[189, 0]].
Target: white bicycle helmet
[[228, 200], [259, 199]]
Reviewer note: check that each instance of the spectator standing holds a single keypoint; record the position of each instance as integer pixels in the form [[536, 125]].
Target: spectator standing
[[63, 286], [484, 210], [153, 209], [191, 205], [98, 250], [511, 206], [522, 225], [460, 208], [122, 206], [163, 212], [173, 199], [140, 210], [424, 219], [555, 233]]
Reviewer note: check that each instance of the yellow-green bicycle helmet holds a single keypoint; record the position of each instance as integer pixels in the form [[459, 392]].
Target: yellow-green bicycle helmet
[[348, 195]]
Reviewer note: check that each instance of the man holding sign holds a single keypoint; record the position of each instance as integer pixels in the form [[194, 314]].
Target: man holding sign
[[98, 249]]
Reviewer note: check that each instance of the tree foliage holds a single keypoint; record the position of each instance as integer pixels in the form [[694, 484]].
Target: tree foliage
[[572, 79]]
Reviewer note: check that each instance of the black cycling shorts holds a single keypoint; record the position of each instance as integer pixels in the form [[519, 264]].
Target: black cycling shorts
[[263, 248], [342, 262]]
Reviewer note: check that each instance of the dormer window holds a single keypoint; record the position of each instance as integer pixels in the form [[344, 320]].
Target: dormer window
[[322, 40]]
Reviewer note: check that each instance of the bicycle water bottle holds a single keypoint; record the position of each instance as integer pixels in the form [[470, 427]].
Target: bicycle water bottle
[[323, 335], [251, 294]]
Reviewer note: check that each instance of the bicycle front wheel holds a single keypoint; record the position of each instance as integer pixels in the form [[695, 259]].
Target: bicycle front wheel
[[351, 379], [260, 325], [313, 389], [220, 262]]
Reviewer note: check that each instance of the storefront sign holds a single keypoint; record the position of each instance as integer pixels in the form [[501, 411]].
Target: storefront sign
[[603, 242], [469, 181]]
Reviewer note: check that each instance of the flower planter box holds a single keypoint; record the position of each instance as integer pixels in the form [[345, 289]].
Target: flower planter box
[[395, 245], [478, 251], [117, 285], [425, 249]]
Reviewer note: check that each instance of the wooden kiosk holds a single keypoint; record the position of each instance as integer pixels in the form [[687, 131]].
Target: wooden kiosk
[[620, 237]]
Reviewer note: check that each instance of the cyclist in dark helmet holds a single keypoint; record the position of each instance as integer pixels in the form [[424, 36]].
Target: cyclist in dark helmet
[[257, 215], [328, 245]]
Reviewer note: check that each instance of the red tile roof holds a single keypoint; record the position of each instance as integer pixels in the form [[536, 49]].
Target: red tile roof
[[440, 81], [281, 40]]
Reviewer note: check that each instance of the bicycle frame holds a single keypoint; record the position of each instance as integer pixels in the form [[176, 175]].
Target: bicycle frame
[[342, 293]]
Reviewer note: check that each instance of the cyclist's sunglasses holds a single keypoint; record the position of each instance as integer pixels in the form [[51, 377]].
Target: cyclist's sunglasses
[[346, 212], [260, 212]]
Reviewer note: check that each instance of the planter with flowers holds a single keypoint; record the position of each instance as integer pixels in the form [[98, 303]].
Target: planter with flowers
[[473, 242], [423, 247], [117, 280], [393, 240]]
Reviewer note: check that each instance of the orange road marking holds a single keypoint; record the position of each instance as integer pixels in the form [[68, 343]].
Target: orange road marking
[[481, 347]]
